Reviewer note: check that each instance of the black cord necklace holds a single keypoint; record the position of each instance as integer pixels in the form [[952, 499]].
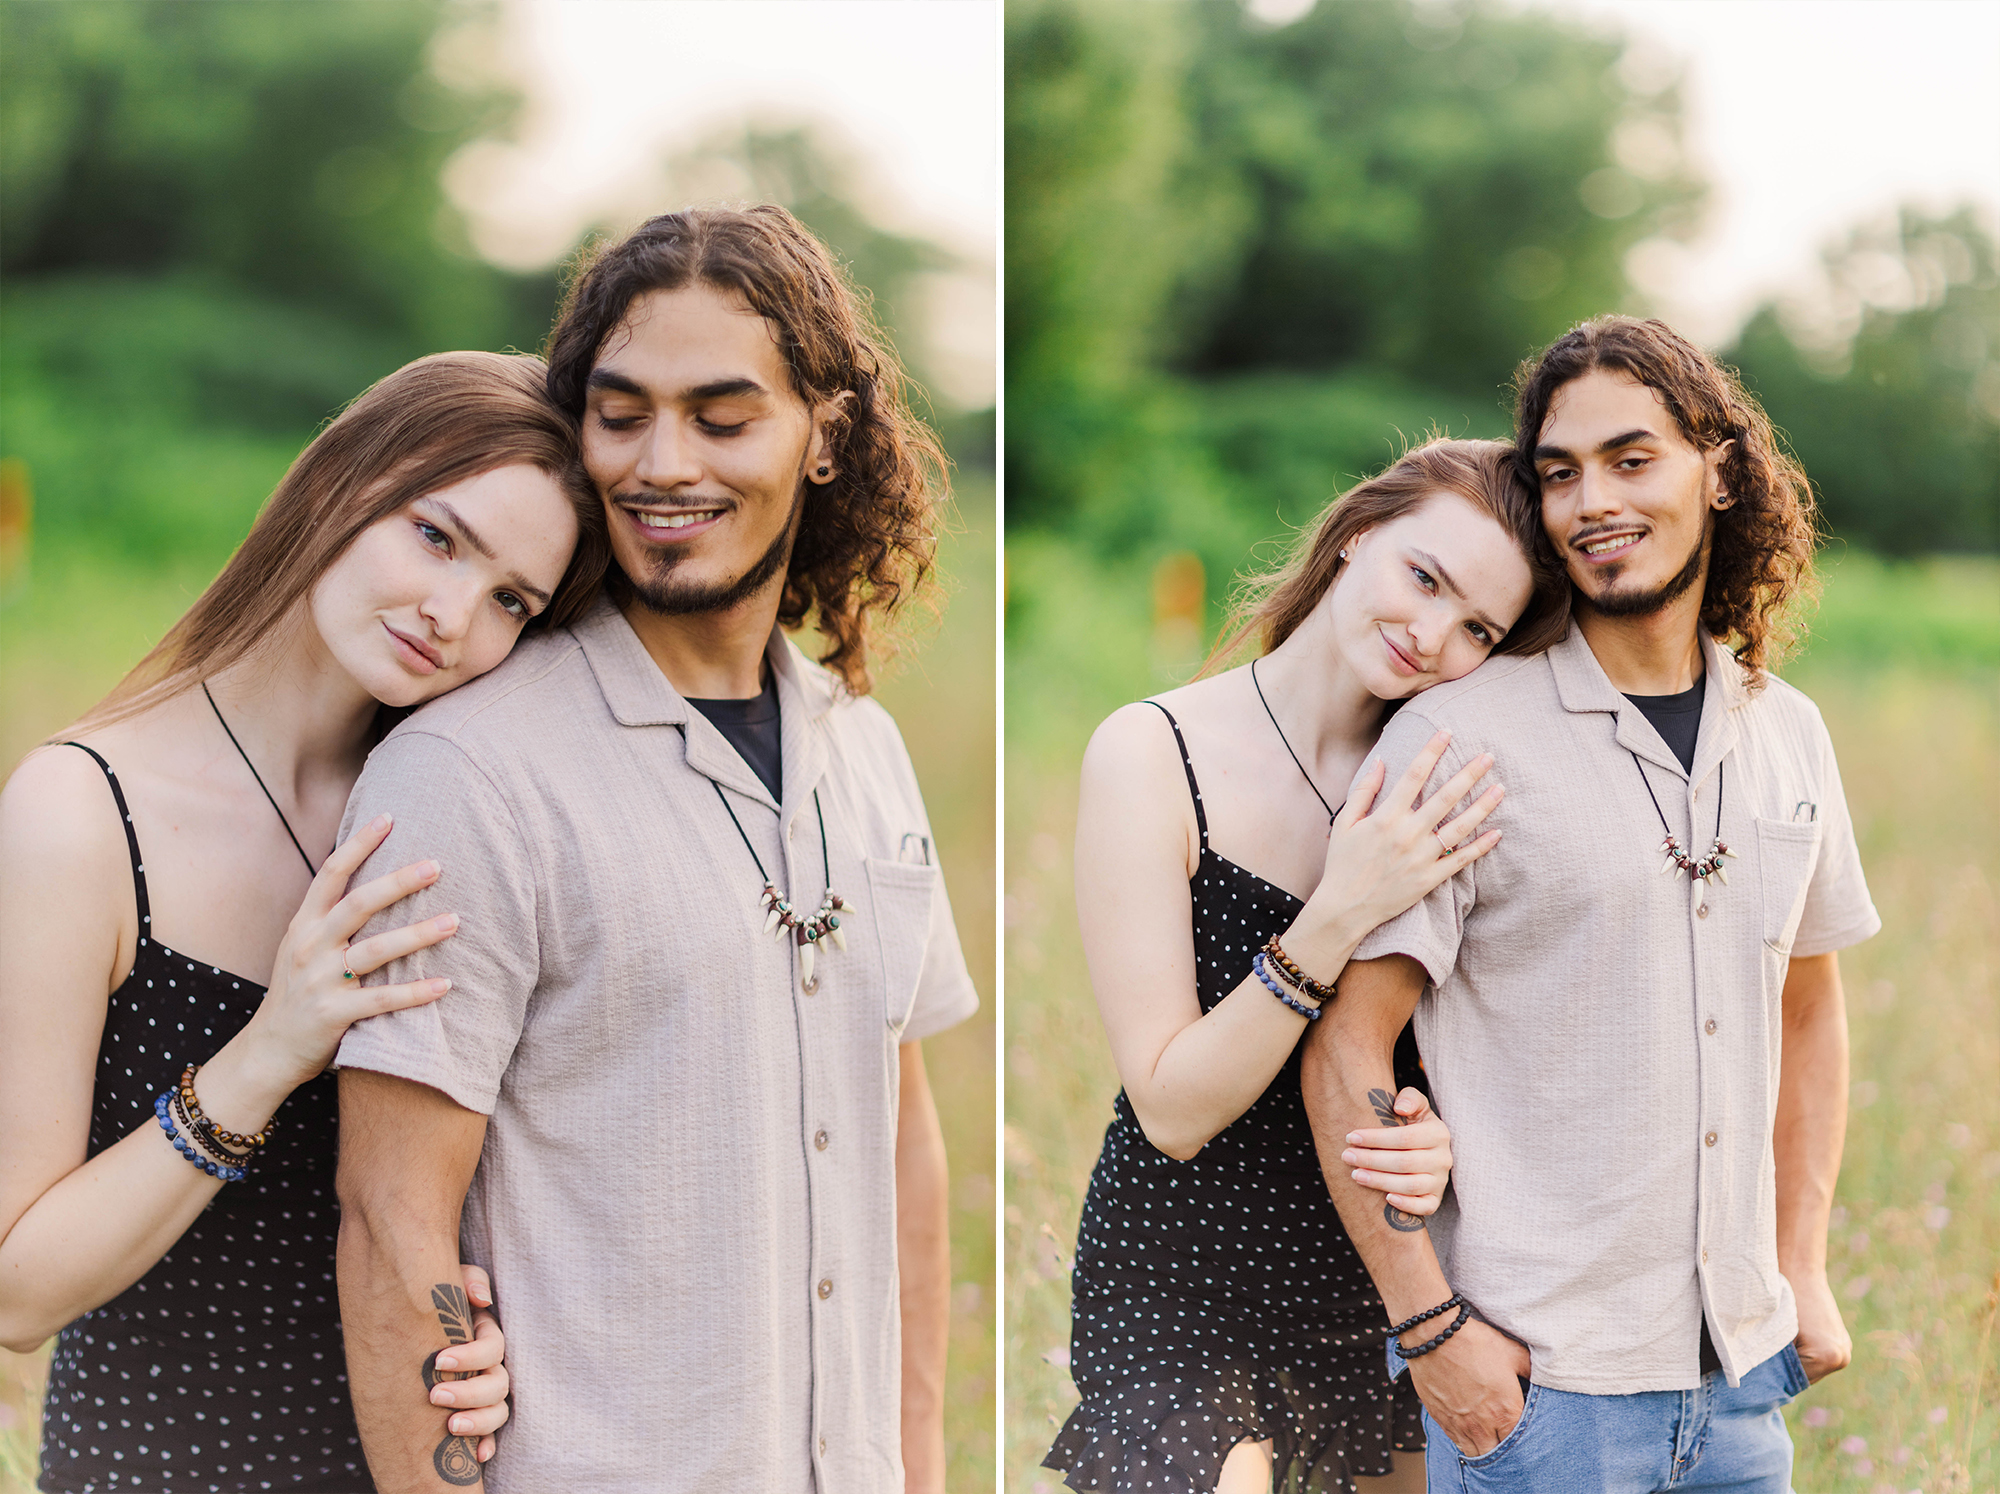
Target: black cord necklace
[[807, 933], [259, 777], [1711, 864], [1330, 810]]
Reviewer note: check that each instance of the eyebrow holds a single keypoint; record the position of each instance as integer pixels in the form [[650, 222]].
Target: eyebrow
[[610, 378], [1626, 438], [1431, 564], [471, 536]]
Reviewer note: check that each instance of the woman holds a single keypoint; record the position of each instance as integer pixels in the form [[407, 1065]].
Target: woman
[[1226, 1335], [410, 545]]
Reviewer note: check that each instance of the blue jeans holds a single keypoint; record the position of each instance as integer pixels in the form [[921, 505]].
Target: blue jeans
[[1710, 1438]]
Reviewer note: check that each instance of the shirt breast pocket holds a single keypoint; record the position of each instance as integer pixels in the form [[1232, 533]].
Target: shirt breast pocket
[[900, 896], [1785, 857]]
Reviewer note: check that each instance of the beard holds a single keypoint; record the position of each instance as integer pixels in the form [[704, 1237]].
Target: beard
[[1612, 603], [658, 591]]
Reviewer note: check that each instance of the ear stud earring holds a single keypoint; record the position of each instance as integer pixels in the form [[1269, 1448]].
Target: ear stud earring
[[824, 469]]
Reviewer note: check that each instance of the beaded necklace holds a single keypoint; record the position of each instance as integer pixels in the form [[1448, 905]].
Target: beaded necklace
[[1708, 866], [779, 916]]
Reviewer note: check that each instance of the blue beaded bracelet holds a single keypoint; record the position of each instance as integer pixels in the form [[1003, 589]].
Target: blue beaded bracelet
[[1310, 1013], [212, 1168]]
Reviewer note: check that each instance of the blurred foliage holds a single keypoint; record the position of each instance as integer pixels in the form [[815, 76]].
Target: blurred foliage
[[219, 222], [1239, 257], [1247, 264], [1889, 389]]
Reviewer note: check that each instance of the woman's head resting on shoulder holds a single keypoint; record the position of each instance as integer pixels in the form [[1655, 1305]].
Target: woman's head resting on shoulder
[[1417, 575], [442, 514]]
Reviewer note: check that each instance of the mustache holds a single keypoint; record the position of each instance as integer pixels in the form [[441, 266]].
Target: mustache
[[654, 498], [1598, 531]]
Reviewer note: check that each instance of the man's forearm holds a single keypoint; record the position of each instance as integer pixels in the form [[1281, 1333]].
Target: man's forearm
[[1348, 1078], [923, 1254], [1811, 1125], [407, 1154]]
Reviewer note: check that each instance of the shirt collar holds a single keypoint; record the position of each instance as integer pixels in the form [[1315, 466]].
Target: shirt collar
[[639, 694], [1582, 686]]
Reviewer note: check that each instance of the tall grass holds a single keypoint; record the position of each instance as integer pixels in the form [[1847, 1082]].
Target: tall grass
[[1905, 665], [79, 618]]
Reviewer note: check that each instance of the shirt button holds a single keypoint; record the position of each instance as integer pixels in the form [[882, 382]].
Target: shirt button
[[1708, 1140], [820, 1137], [1704, 1257], [826, 1282], [1702, 911], [1708, 1026], [822, 1447]]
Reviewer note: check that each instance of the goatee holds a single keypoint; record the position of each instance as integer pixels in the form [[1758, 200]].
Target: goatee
[[1614, 603], [659, 592]]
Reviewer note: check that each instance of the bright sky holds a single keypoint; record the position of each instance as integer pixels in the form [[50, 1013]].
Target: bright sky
[[907, 90], [1809, 116]]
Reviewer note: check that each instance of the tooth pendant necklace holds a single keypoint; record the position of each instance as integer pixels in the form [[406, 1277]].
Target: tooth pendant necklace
[[780, 918], [1708, 866]]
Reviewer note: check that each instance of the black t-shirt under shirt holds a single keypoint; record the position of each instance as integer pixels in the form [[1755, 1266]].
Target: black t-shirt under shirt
[[1677, 718], [751, 727]]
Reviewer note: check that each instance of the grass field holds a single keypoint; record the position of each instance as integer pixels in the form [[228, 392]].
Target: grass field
[[75, 622], [1905, 664]]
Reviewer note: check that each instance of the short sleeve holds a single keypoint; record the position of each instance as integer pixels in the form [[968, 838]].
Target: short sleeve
[[1838, 910], [945, 993], [1428, 933], [447, 810]]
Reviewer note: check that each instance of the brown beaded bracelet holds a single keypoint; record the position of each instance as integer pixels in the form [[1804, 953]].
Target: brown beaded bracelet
[[207, 1129], [203, 1137], [1320, 991]]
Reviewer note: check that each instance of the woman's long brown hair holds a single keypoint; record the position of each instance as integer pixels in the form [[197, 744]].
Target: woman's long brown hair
[[432, 423], [1273, 604]]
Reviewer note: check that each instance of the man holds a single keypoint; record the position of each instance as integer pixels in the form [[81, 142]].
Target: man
[[1630, 1011], [701, 935]]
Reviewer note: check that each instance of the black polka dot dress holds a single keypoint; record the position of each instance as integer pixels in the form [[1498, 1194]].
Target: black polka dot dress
[[1219, 1300], [221, 1368]]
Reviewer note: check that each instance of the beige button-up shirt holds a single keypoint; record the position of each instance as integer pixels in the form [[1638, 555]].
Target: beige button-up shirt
[[1604, 1046], [687, 1194]]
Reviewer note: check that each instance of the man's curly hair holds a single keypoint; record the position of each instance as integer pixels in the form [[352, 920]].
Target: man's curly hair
[[868, 538], [1760, 569]]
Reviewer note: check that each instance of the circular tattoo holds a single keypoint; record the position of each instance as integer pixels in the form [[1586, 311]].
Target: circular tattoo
[[431, 1375], [455, 1462]]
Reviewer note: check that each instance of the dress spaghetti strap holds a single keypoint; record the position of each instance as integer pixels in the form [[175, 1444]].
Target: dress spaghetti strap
[[1194, 789], [131, 842]]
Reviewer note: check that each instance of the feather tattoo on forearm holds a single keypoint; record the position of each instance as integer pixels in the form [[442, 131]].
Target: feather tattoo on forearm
[[1385, 1110], [454, 1459]]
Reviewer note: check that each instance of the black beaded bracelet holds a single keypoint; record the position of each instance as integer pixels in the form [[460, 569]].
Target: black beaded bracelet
[[1464, 1313], [1443, 1307]]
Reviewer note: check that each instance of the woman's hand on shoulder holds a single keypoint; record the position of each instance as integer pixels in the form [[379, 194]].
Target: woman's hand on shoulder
[[1408, 1157], [1387, 851], [312, 1000], [477, 1388]]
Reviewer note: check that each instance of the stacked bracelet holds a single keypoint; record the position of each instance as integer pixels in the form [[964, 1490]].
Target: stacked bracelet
[[208, 1165], [206, 1131], [1320, 991], [1310, 1013], [1443, 1307], [1464, 1313]]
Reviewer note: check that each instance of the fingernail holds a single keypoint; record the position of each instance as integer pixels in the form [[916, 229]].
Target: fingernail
[[446, 1362], [1348, 1158], [1353, 1138], [447, 923], [381, 822], [460, 1424], [441, 985], [442, 1397], [428, 869]]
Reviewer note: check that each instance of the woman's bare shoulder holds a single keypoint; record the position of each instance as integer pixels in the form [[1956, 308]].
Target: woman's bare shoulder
[[58, 818]]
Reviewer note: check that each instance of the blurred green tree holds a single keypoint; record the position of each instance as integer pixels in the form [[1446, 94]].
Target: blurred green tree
[[1888, 386], [1239, 255]]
